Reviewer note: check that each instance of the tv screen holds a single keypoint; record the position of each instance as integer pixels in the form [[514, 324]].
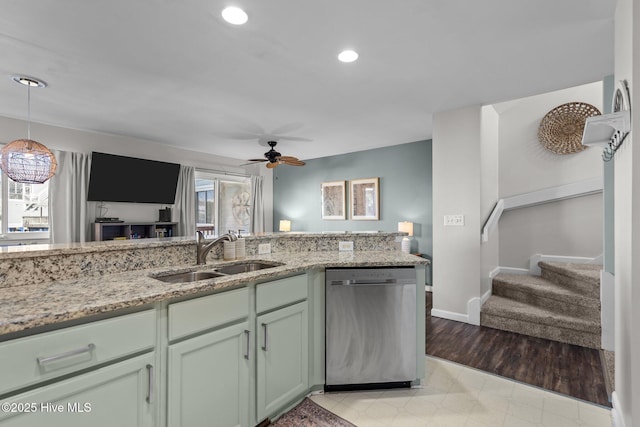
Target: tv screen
[[127, 179]]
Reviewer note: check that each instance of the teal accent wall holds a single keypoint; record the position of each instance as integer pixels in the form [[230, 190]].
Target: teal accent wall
[[405, 191]]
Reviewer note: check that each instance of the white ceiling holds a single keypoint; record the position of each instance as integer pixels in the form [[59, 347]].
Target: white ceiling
[[174, 72]]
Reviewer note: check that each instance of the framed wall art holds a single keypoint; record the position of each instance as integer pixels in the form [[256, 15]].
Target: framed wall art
[[333, 200], [365, 199]]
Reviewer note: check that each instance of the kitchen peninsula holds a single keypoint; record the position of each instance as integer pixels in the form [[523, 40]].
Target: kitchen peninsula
[[73, 316]]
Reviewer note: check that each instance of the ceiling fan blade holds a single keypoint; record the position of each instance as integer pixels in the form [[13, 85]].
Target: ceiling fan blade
[[289, 158], [257, 160], [293, 162], [294, 138], [272, 165]]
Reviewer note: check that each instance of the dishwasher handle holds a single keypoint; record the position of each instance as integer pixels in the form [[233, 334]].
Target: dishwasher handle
[[367, 282]]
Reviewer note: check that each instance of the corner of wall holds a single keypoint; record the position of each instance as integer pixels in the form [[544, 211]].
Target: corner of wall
[[616, 411]]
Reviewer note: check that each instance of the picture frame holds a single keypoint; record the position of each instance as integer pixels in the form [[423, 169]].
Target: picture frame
[[333, 200], [365, 199]]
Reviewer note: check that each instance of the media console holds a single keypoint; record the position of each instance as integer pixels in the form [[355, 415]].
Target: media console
[[132, 230]]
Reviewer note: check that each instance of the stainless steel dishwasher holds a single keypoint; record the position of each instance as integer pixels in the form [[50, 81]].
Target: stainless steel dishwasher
[[370, 328]]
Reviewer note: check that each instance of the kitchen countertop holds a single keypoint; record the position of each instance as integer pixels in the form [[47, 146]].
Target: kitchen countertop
[[45, 304]]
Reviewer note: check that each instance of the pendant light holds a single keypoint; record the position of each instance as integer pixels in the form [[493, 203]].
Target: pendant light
[[25, 160]]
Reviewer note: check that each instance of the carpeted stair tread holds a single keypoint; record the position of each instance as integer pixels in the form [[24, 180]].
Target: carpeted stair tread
[[508, 308], [543, 288], [585, 272]]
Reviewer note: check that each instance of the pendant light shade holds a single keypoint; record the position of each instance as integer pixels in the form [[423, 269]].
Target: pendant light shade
[[25, 160]]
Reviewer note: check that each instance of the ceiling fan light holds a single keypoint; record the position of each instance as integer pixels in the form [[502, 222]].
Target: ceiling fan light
[[27, 161], [235, 15]]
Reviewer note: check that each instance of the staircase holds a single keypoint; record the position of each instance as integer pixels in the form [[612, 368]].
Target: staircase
[[563, 304]]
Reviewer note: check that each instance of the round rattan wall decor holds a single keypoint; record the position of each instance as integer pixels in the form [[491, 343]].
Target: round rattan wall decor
[[561, 129]]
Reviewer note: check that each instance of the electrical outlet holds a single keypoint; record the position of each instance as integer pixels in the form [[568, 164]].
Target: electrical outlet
[[345, 246], [454, 220], [264, 248]]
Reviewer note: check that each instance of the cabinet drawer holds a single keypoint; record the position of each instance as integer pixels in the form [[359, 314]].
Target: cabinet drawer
[[281, 292], [36, 358], [196, 315]]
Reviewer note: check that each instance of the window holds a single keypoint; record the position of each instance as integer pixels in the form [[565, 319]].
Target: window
[[222, 203], [25, 210]]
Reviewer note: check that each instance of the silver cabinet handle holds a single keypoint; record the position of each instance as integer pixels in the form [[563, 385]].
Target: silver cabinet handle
[[248, 335], [265, 335], [48, 359], [150, 383]]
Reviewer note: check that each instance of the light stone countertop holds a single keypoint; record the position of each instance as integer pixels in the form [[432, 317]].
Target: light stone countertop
[[46, 249], [45, 304]]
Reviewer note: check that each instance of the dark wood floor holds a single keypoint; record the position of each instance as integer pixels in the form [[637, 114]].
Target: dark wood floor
[[563, 368]]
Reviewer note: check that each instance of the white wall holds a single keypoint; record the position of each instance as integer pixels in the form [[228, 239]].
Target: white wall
[[626, 401], [57, 138], [490, 181], [525, 166], [570, 227], [456, 190]]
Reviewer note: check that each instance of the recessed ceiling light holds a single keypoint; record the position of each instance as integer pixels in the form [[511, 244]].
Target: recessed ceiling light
[[234, 15], [348, 56]]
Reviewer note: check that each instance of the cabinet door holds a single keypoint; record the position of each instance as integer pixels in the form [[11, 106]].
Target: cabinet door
[[209, 379], [283, 357], [117, 395]]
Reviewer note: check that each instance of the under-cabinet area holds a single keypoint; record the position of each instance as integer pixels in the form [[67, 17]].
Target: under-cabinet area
[[130, 349]]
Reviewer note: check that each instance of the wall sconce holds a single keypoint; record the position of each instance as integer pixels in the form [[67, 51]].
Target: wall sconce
[[406, 227], [285, 225]]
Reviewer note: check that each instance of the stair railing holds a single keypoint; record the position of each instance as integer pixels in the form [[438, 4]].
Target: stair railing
[[538, 197]]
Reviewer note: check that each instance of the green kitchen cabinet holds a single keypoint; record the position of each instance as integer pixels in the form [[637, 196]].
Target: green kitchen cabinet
[[209, 379], [121, 394], [282, 358]]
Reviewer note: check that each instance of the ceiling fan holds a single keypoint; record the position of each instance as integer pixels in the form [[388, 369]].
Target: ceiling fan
[[273, 158]]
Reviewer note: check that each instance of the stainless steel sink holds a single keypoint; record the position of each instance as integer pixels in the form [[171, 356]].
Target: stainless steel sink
[[245, 267], [190, 276]]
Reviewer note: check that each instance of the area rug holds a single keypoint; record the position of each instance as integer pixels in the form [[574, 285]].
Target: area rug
[[310, 414]]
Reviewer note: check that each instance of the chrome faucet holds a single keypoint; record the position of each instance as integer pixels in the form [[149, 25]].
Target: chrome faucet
[[203, 247]]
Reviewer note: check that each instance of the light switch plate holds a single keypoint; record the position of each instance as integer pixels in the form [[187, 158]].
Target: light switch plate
[[264, 248], [454, 220], [345, 246]]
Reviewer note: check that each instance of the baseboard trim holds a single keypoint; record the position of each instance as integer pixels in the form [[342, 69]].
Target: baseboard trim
[[485, 297], [450, 315], [474, 305], [616, 411], [535, 269]]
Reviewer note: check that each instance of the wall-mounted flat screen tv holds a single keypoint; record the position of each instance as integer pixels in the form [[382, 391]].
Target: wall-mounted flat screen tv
[[128, 179]]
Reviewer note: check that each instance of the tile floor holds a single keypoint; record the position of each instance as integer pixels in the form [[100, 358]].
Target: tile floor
[[456, 396]]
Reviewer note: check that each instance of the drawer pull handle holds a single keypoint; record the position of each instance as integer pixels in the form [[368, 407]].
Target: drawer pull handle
[[248, 335], [44, 360], [150, 384], [265, 347]]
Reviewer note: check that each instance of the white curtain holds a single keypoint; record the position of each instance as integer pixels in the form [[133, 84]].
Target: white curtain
[[257, 208], [68, 216], [185, 205]]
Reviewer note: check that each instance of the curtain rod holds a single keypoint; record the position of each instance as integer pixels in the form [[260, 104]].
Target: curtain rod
[[223, 172]]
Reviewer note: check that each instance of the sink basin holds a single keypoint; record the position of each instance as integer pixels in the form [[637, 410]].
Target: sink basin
[[190, 276], [245, 267]]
